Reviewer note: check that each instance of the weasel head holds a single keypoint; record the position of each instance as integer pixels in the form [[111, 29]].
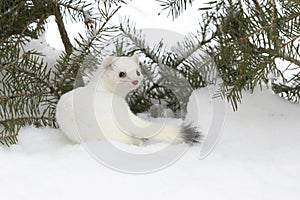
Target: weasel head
[[121, 74]]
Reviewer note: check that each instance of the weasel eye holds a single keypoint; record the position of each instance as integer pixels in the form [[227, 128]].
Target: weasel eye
[[122, 74], [138, 73]]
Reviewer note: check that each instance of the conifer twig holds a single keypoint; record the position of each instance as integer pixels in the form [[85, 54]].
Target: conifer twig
[[14, 8], [8, 65], [9, 97], [52, 119], [62, 30], [41, 81]]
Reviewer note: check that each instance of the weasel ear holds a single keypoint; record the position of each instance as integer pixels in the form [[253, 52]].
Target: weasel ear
[[108, 61], [136, 58]]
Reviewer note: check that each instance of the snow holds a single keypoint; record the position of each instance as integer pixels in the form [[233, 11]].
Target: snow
[[257, 157], [48, 53]]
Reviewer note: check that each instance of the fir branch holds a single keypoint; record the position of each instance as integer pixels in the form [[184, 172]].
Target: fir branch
[[175, 7], [289, 58], [13, 9], [282, 55], [110, 3], [8, 139], [14, 62], [70, 6], [290, 41], [23, 95], [274, 33], [28, 119], [20, 36], [40, 80], [249, 37], [192, 47], [259, 30], [290, 93], [62, 30], [103, 26], [129, 31]]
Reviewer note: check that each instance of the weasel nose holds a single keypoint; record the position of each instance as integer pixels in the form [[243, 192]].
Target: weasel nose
[[135, 82]]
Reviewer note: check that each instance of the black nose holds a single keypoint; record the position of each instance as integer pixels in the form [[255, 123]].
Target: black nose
[[135, 82]]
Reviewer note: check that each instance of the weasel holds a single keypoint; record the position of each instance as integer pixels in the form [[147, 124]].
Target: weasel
[[99, 111]]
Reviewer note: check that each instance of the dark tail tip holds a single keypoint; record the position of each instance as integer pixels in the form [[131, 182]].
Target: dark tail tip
[[190, 134]]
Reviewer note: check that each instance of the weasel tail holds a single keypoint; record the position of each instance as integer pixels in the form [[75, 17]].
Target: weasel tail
[[185, 133], [190, 133], [165, 130]]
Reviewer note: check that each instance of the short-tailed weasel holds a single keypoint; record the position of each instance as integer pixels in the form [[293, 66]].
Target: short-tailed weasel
[[99, 111]]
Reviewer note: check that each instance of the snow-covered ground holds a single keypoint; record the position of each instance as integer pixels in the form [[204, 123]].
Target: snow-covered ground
[[257, 158]]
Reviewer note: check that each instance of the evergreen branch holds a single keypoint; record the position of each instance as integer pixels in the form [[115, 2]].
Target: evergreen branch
[[43, 19], [77, 9], [40, 80], [27, 118], [154, 86], [194, 48], [103, 25], [175, 7], [69, 6], [290, 93], [138, 39], [250, 38], [291, 59], [62, 30], [258, 30], [24, 95], [17, 23], [9, 139], [14, 8], [14, 62], [260, 10], [290, 41], [109, 3], [295, 78], [280, 55], [22, 33], [274, 31]]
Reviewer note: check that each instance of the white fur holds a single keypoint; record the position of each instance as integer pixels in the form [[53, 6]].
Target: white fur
[[99, 110]]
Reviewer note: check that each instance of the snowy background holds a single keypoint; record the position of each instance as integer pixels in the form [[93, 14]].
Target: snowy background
[[257, 156]]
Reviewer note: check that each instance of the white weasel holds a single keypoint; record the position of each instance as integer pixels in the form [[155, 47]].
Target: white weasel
[[99, 110]]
